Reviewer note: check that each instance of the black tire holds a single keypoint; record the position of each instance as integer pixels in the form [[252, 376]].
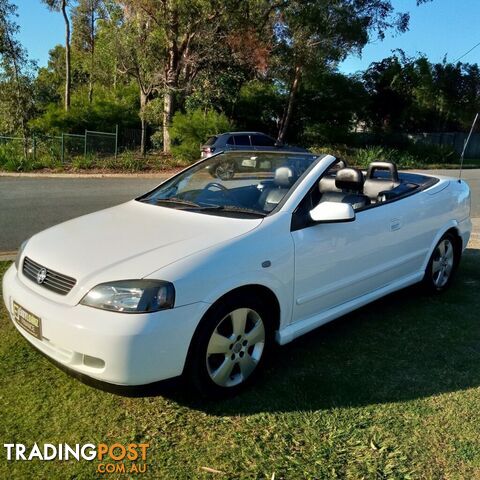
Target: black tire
[[200, 367], [433, 281]]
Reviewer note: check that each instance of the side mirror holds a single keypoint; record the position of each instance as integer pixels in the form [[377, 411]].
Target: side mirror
[[332, 212]]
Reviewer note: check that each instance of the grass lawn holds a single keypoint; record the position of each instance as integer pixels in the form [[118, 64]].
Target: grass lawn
[[390, 391]]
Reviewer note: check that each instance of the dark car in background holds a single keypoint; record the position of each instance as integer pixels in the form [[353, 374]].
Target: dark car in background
[[240, 141]]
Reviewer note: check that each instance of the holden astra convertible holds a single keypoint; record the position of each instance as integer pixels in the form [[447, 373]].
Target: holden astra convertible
[[201, 276]]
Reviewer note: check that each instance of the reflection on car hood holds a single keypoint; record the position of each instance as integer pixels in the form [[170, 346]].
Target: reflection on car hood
[[130, 241]]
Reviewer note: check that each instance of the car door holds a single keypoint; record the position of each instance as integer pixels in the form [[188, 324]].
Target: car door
[[339, 262]]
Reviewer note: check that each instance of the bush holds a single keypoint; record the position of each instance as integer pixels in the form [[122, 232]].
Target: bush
[[189, 130], [433, 153], [411, 156], [10, 153], [131, 161], [108, 109], [84, 162], [12, 157], [365, 156]]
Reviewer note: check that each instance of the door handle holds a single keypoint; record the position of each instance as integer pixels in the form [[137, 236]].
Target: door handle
[[395, 224]]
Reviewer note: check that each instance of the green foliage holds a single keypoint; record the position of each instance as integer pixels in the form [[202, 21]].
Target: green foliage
[[410, 155], [431, 153], [130, 58], [259, 104], [131, 161], [11, 156], [367, 155], [415, 95], [84, 162], [189, 130], [107, 110]]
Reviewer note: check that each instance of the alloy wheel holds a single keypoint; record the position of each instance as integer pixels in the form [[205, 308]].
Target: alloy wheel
[[443, 261], [235, 347]]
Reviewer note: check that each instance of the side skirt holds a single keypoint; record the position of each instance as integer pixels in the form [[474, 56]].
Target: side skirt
[[297, 329]]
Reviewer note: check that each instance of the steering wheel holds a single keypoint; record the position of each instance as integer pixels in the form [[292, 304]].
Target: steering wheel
[[225, 191], [216, 185]]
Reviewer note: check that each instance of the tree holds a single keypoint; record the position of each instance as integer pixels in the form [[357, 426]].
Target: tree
[[324, 32], [61, 6], [15, 74], [191, 34], [138, 43], [414, 95], [85, 16]]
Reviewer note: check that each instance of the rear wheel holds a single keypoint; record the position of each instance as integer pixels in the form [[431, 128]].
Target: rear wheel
[[230, 346], [442, 265]]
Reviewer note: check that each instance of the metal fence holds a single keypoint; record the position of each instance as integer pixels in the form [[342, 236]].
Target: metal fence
[[66, 147]]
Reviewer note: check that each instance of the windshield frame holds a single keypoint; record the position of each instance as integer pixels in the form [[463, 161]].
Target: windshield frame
[[317, 158]]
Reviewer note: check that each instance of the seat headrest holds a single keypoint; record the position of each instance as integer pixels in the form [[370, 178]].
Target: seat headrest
[[349, 179], [284, 177], [389, 167]]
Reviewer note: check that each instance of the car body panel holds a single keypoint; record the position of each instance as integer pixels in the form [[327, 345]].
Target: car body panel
[[136, 238], [136, 349]]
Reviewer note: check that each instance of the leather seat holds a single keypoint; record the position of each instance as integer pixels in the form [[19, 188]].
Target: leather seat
[[283, 180], [375, 185], [349, 182], [327, 183]]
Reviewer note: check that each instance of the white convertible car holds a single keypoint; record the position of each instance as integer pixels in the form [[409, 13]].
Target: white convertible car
[[201, 276]]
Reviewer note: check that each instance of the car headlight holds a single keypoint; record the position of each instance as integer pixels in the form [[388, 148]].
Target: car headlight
[[131, 296], [19, 254]]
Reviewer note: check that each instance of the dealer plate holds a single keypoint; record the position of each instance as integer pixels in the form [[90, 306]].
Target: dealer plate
[[27, 320]]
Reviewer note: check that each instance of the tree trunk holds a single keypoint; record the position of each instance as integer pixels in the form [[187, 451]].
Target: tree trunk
[[143, 106], [90, 83], [287, 115], [92, 52], [18, 92], [67, 55], [167, 119]]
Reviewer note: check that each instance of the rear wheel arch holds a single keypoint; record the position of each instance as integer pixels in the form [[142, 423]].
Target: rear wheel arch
[[442, 265], [458, 244]]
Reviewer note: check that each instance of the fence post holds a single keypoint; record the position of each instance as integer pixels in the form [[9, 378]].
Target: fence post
[[116, 140], [63, 150], [85, 148], [34, 142]]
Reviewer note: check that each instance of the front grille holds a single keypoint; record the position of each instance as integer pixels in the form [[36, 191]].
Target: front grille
[[54, 281]]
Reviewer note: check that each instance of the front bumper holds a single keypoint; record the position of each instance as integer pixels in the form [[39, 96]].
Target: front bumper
[[123, 349]]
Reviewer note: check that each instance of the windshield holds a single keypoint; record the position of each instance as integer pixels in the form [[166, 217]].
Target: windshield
[[233, 183]]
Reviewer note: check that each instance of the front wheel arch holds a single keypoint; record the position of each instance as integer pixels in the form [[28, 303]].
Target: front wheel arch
[[259, 291]]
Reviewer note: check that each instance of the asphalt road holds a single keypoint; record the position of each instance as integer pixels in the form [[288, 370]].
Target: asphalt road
[[28, 205]]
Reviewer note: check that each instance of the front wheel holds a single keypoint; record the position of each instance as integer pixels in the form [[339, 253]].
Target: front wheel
[[230, 346], [442, 265]]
